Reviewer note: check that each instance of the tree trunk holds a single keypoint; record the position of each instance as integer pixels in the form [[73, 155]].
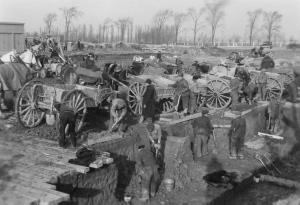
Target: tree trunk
[[212, 35]]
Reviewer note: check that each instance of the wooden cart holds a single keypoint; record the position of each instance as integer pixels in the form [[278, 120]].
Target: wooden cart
[[36, 99]]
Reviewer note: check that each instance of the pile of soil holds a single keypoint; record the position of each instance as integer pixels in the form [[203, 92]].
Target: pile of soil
[[213, 51]]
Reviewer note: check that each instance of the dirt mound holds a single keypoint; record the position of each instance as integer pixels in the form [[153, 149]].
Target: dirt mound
[[122, 45], [214, 51], [136, 46]]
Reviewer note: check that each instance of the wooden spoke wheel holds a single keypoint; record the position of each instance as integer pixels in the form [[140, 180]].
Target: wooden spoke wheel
[[218, 94], [27, 109], [273, 88], [76, 100], [135, 97], [165, 105], [286, 79], [200, 101]]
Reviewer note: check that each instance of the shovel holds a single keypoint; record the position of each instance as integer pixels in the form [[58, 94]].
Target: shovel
[[215, 149]]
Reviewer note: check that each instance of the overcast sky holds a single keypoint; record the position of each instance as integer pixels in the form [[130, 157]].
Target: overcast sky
[[32, 12]]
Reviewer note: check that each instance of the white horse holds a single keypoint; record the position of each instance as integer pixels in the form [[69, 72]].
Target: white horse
[[28, 58]]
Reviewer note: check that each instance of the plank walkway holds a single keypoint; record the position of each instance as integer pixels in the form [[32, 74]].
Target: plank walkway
[[30, 167]]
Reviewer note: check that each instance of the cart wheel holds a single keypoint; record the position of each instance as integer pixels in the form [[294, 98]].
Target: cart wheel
[[76, 100], [135, 97], [27, 108], [165, 105], [44, 73], [218, 94], [200, 101], [274, 88], [286, 79]]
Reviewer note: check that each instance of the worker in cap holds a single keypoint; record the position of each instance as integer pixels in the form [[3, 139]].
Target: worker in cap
[[267, 62], [202, 128], [236, 85], [194, 92], [261, 82], [236, 136], [117, 112], [149, 98], [182, 93], [147, 169]]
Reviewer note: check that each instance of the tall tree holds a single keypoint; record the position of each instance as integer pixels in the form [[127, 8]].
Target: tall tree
[[272, 23], [84, 32], [49, 19], [69, 14], [196, 15], [91, 34], [252, 20], [179, 19], [159, 20], [105, 26], [214, 15], [112, 35], [122, 24]]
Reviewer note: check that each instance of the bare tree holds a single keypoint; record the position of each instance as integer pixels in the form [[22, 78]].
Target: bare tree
[[272, 23], [159, 20], [105, 26], [49, 19], [179, 19], [91, 34], [252, 20], [196, 15], [214, 15], [69, 14], [122, 24]]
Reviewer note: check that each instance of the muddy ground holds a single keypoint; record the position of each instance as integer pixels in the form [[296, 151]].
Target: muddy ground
[[192, 188]]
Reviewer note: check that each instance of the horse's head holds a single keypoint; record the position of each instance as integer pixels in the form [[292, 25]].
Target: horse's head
[[29, 58], [9, 57]]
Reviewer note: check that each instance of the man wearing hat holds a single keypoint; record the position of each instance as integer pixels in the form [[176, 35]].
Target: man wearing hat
[[194, 91], [117, 112], [147, 168], [261, 82], [149, 98], [267, 62], [236, 136], [202, 128], [182, 89], [235, 85]]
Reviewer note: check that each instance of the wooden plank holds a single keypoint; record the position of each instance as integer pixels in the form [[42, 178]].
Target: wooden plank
[[221, 126], [9, 198], [45, 198], [34, 182]]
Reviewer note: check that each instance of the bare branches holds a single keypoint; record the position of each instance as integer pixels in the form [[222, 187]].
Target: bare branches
[[272, 22], [196, 15], [69, 14], [106, 25], [122, 24], [159, 20], [49, 19], [214, 15], [252, 20], [179, 19]]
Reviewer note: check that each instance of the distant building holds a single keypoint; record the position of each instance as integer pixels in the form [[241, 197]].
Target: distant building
[[11, 37]]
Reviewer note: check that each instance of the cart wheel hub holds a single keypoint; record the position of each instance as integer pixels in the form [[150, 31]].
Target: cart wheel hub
[[216, 94], [32, 105], [138, 99]]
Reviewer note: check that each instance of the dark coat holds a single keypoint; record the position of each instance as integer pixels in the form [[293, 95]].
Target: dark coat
[[149, 100], [238, 128], [267, 62], [202, 125]]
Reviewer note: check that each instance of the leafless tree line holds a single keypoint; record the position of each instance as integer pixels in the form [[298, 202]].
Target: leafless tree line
[[166, 26]]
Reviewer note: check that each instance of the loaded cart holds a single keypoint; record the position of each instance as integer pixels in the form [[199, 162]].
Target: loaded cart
[[36, 99]]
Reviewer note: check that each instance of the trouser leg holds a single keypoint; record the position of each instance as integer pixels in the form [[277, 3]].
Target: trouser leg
[[234, 98], [240, 145], [264, 91], [153, 183], [204, 144], [293, 92], [259, 91], [197, 146], [63, 124], [121, 126], [146, 178], [232, 146], [111, 121], [72, 123], [176, 101], [185, 102], [192, 104]]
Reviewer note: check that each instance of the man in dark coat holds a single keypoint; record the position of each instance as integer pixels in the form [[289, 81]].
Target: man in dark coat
[[149, 99], [244, 75], [67, 116], [78, 45], [202, 128], [182, 89], [236, 136], [159, 56], [147, 169], [267, 62], [294, 89]]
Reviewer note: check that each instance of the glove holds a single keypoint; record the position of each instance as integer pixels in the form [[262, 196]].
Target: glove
[[157, 146]]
